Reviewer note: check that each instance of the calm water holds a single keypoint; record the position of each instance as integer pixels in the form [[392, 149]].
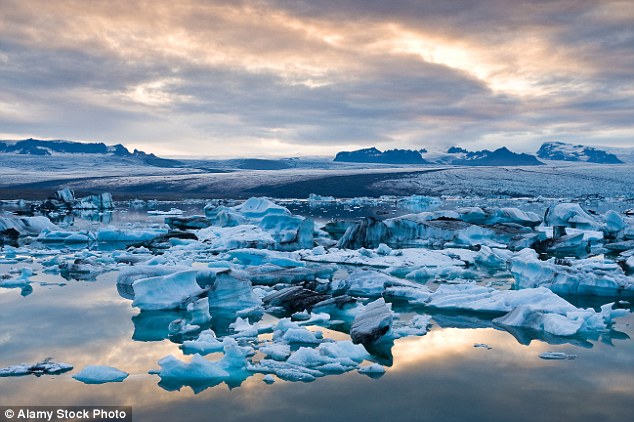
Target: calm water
[[437, 377]]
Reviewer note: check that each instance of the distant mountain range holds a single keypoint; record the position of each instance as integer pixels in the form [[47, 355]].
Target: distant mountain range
[[455, 155], [57, 147], [373, 155], [560, 151]]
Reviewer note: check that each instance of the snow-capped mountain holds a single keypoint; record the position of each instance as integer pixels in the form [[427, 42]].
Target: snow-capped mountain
[[373, 155], [60, 147], [500, 157], [560, 151]]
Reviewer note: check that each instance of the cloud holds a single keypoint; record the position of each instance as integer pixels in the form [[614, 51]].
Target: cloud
[[236, 78]]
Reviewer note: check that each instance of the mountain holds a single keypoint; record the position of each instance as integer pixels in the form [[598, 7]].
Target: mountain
[[44, 148], [560, 151], [373, 155], [500, 157]]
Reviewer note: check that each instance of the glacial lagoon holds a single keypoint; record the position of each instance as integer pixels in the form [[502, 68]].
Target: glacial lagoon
[[439, 363]]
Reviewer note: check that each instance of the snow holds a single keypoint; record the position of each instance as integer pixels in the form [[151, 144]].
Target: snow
[[94, 374]]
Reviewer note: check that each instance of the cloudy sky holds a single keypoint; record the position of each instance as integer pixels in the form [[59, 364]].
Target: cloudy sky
[[293, 77]]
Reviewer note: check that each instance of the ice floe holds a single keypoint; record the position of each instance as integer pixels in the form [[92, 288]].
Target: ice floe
[[96, 374]]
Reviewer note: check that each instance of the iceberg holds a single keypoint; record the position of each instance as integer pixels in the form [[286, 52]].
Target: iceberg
[[26, 226], [94, 374], [171, 291], [206, 343], [596, 277], [536, 308], [44, 367], [269, 226], [569, 215], [372, 324], [200, 373], [233, 295]]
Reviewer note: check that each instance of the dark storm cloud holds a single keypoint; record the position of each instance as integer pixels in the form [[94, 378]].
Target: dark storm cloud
[[318, 76]]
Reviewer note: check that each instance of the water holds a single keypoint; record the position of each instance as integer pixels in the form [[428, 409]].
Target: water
[[436, 377]]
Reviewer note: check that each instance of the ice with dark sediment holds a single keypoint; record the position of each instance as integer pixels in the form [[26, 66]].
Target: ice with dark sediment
[[372, 323], [44, 367]]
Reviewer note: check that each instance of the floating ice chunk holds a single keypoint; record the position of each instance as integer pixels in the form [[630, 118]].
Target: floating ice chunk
[[243, 328], [100, 202], [535, 308], [260, 207], [408, 258], [271, 227], [372, 323], [166, 292], [21, 281], [261, 257], [295, 299], [418, 203], [44, 367], [198, 369], [368, 283], [233, 294], [199, 312], [277, 351], [286, 371], [416, 295], [302, 335], [94, 374], [368, 233], [571, 245], [66, 237], [128, 275], [314, 199], [200, 372], [569, 215], [269, 275], [560, 325], [27, 226], [373, 371], [472, 297], [557, 356], [206, 343], [172, 211], [383, 249], [614, 223], [117, 234], [491, 258], [193, 222], [243, 236], [580, 277], [319, 250], [307, 363]]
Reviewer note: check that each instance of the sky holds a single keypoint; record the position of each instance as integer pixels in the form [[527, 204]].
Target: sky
[[313, 77]]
